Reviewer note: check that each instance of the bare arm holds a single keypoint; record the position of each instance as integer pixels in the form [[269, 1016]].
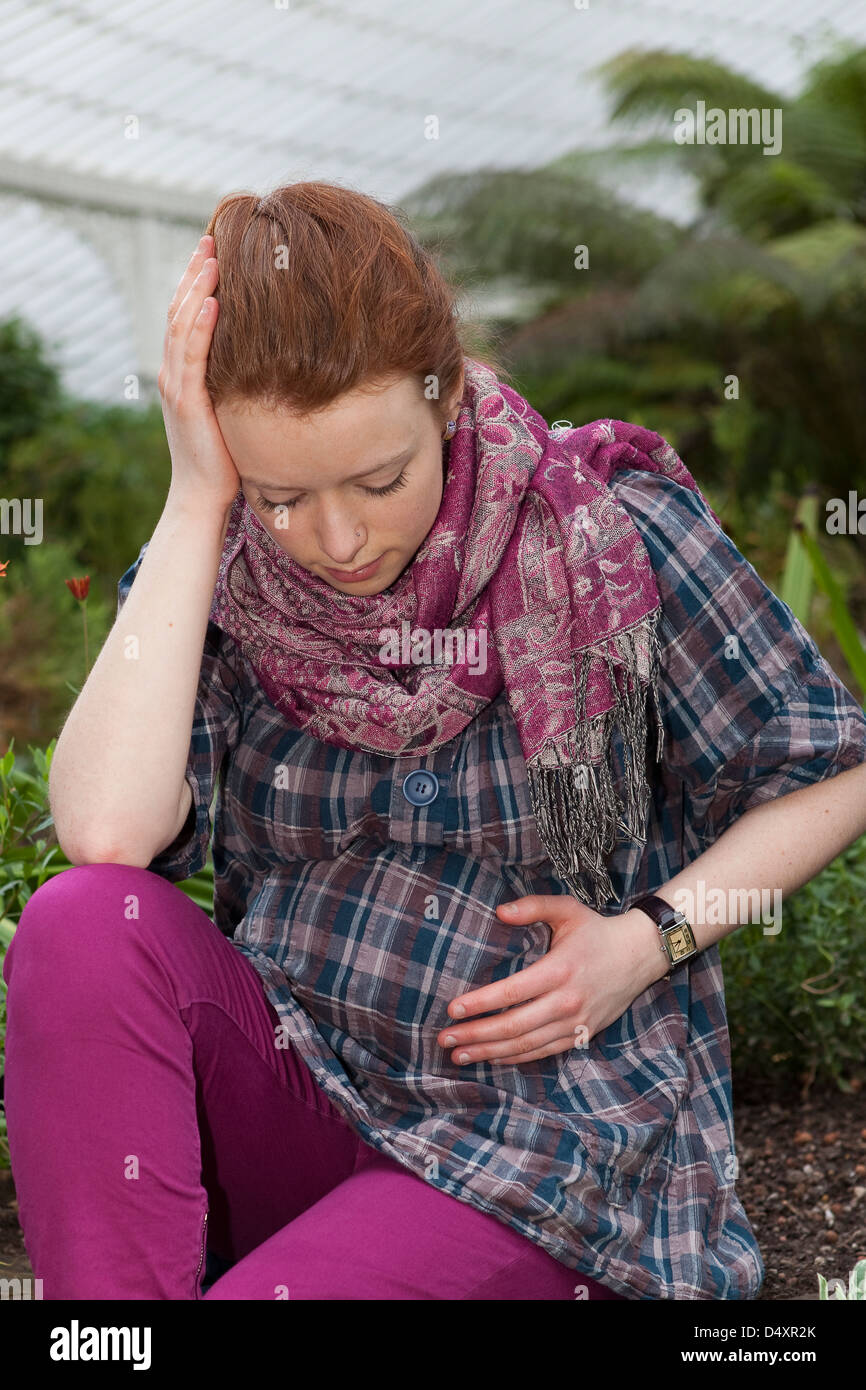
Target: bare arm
[[773, 848], [117, 784]]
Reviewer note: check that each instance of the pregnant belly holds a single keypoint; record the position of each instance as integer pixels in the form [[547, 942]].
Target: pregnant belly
[[379, 967]]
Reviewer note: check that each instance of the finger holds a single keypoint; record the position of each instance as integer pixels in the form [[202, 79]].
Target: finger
[[559, 1045], [199, 340], [194, 265], [203, 250], [187, 316], [528, 983], [550, 1008], [540, 908], [515, 1047], [181, 325]]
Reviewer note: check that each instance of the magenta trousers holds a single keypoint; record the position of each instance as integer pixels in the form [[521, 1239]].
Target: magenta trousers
[[155, 1129]]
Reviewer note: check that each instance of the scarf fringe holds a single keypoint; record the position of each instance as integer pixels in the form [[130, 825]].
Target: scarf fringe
[[575, 800]]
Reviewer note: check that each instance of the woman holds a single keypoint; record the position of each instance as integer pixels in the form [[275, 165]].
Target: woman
[[469, 689]]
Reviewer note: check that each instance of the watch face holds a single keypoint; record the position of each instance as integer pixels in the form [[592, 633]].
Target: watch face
[[681, 942]]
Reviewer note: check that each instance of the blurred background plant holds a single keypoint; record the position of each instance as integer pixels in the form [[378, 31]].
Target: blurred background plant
[[763, 294]]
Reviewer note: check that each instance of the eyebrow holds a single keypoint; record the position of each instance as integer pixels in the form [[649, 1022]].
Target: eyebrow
[[403, 457]]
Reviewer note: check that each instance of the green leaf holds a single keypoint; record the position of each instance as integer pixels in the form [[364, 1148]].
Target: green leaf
[[797, 577], [843, 624]]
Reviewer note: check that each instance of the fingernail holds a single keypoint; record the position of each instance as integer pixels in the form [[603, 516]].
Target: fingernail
[[450, 1040], [462, 1056], [458, 1010]]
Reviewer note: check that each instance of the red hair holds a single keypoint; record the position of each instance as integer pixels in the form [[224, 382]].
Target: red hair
[[321, 290]]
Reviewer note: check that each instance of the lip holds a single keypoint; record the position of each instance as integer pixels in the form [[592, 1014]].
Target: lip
[[355, 576]]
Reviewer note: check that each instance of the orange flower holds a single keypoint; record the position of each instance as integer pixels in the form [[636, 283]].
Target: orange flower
[[3, 567], [79, 588]]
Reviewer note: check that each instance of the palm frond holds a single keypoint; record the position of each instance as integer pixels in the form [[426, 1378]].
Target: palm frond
[[656, 82], [527, 223]]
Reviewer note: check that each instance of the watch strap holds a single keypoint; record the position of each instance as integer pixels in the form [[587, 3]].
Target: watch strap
[[661, 912], [666, 918]]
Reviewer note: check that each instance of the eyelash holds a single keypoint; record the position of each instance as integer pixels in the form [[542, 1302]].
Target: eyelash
[[399, 481]]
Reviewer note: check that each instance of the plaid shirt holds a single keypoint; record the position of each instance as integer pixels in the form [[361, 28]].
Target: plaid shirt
[[365, 915]]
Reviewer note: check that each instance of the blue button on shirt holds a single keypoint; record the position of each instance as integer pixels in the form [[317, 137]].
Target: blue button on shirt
[[420, 788], [363, 890]]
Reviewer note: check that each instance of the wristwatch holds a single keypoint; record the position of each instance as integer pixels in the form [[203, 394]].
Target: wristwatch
[[677, 938]]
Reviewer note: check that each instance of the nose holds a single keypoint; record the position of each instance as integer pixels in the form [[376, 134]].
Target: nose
[[341, 535]]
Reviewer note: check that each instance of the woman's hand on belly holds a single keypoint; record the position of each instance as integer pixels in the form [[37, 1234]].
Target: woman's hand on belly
[[594, 970]]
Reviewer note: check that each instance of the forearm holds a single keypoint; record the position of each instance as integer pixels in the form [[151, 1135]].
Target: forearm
[[766, 854]]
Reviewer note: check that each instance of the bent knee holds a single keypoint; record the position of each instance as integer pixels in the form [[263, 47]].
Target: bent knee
[[91, 906]]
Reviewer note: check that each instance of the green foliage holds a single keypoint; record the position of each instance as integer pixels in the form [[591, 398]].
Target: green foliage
[[820, 172], [30, 389], [522, 223], [102, 474], [797, 1001], [27, 858], [768, 285], [843, 623], [655, 82], [201, 887], [766, 530], [856, 1284], [41, 636], [797, 580]]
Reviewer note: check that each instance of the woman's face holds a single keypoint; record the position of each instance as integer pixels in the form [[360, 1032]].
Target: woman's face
[[358, 481]]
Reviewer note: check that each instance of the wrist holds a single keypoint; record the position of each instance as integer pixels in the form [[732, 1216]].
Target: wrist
[[192, 508], [653, 960]]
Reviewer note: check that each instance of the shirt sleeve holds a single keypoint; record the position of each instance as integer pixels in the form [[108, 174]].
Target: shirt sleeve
[[215, 731], [751, 709]]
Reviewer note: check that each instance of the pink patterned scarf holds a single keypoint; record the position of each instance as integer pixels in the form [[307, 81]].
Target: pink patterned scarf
[[533, 577]]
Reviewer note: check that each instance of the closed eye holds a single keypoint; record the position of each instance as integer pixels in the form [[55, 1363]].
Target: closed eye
[[399, 481]]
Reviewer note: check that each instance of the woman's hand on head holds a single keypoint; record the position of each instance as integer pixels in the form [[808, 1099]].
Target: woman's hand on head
[[203, 473]]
